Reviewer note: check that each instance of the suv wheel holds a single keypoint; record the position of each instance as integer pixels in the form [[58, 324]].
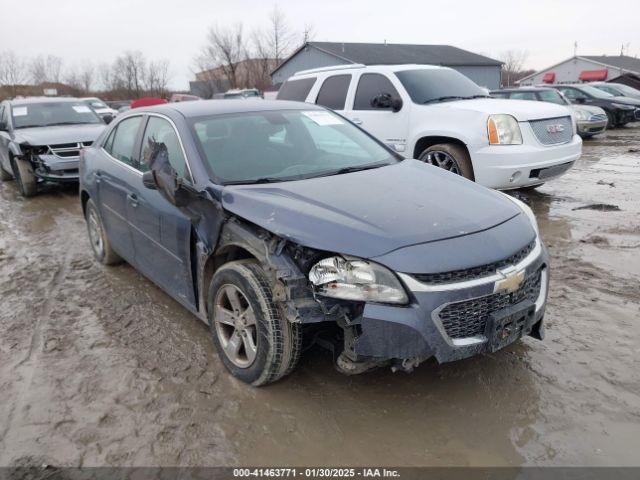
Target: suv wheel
[[255, 343], [449, 156], [98, 236], [26, 179]]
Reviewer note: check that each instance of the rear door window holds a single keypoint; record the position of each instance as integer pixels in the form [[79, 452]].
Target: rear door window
[[369, 86], [296, 90], [333, 93], [120, 144]]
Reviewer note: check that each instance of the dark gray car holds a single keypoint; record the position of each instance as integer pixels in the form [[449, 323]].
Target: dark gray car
[[281, 223], [41, 140]]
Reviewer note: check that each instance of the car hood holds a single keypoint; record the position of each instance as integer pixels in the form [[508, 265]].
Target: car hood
[[591, 109], [372, 212], [59, 134], [522, 110]]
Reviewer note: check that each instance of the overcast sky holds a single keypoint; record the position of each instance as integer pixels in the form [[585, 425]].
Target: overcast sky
[[175, 30]]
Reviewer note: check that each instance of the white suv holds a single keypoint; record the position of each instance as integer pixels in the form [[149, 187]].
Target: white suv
[[438, 115]]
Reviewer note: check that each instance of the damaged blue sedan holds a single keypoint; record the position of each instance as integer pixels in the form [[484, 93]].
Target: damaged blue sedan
[[280, 224]]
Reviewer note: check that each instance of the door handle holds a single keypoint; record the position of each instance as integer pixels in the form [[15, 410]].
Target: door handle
[[357, 121], [133, 199], [97, 176]]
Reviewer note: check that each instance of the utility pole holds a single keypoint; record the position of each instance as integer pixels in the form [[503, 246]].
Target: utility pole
[[575, 48]]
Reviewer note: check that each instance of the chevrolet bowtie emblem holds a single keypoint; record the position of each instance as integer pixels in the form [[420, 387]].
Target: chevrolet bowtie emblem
[[510, 282]]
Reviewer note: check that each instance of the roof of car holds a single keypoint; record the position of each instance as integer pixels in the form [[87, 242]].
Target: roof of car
[[220, 107], [32, 100]]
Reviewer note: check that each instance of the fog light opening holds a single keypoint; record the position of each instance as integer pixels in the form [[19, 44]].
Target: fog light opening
[[515, 176]]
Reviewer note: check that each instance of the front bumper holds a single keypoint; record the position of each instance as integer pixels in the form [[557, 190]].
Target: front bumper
[[53, 168], [587, 128], [417, 330], [506, 167]]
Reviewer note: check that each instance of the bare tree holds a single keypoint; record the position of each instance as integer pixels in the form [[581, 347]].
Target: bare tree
[[276, 40], [224, 50], [157, 77], [13, 70], [513, 66], [128, 73], [86, 76], [308, 33], [46, 69]]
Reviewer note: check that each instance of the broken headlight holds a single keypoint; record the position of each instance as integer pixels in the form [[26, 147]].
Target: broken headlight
[[356, 279]]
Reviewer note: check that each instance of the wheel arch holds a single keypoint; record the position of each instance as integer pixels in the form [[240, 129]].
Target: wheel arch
[[427, 141]]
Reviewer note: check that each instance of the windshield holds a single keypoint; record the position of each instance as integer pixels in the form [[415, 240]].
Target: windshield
[[274, 146], [438, 85], [552, 96], [53, 113], [594, 92], [627, 90]]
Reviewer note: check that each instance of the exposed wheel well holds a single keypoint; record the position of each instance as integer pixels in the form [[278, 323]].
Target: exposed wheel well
[[426, 142], [214, 262]]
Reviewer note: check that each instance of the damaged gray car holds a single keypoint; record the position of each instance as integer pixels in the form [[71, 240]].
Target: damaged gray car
[[281, 224], [41, 139]]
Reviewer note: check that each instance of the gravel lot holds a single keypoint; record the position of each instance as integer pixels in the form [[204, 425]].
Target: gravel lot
[[99, 367]]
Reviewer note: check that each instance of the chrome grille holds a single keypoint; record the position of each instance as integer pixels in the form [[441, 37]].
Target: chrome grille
[[68, 150], [553, 131], [475, 272], [468, 318]]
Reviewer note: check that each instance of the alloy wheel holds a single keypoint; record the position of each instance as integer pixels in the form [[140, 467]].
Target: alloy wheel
[[444, 160], [95, 233], [236, 327]]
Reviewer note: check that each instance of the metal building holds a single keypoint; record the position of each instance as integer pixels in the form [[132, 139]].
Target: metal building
[[482, 70], [589, 68]]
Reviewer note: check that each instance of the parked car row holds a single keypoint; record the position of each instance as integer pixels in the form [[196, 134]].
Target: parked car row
[[590, 120]]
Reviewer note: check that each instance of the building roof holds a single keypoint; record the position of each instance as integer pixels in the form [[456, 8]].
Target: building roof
[[397, 54], [619, 61]]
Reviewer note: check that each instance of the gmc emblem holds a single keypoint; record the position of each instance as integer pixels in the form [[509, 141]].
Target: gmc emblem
[[555, 128]]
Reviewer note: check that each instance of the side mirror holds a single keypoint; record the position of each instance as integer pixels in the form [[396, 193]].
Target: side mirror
[[396, 104], [3, 127], [580, 100], [108, 118], [385, 101], [149, 180]]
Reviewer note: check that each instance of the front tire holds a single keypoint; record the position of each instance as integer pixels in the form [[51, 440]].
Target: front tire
[[26, 179], [98, 236], [253, 339], [4, 175], [451, 157]]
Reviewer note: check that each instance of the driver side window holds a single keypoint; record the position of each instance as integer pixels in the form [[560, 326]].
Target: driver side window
[[369, 86], [160, 133], [572, 94]]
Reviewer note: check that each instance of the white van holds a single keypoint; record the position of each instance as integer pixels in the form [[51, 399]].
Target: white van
[[437, 115]]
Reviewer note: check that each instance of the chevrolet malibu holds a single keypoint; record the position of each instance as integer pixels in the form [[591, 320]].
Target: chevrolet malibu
[[281, 223]]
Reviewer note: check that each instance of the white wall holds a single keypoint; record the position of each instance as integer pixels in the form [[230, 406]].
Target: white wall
[[569, 71]]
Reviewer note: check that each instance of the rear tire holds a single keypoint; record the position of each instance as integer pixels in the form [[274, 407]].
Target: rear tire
[[98, 236], [253, 339], [451, 157], [26, 179]]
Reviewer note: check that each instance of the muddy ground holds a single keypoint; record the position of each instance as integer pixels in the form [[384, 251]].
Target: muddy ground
[[99, 367]]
